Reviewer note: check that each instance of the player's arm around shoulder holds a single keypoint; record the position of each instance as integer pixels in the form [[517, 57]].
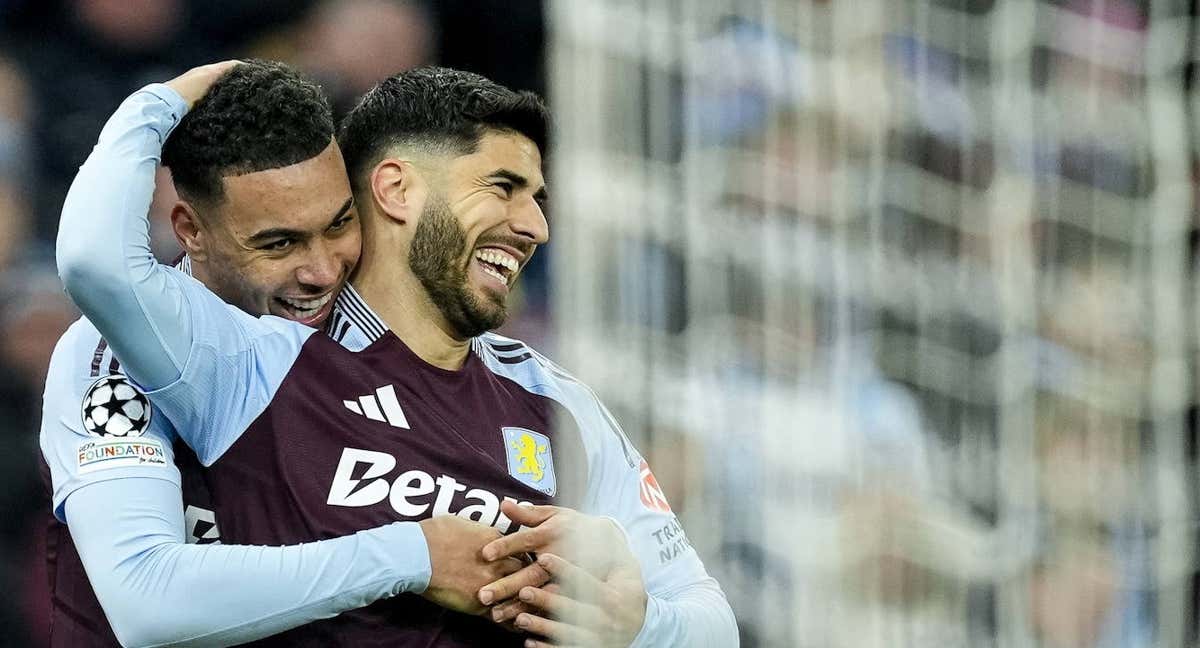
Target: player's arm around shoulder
[[106, 206], [208, 367], [103, 248], [117, 488]]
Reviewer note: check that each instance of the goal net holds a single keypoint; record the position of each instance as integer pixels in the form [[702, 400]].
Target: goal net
[[896, 297]]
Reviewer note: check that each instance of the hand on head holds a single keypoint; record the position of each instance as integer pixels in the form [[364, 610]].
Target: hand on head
[[193, 84]]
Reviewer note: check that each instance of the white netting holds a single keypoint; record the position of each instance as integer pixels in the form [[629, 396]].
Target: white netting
[[897, 298]]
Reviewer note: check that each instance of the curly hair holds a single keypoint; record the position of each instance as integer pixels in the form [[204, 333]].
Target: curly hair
[[261, 115], [438, 109]]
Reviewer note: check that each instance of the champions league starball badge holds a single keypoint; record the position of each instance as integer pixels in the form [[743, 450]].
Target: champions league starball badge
[[113, 407]]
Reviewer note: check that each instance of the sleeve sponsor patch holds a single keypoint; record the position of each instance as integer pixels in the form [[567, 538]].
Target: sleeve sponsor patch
[[650, 492], [114, 407], [671, 541], [103, 454]]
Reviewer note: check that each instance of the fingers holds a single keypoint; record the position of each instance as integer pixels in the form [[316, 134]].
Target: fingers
[[579, 583], [506, 611], [564, 609], [507, 568], [505, 588], [537, 537], [519, 542], [556, 631], [528, 515], [221, 67], [193, 84], [534, 643]]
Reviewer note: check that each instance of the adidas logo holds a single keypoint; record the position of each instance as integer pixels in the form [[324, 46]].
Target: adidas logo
[[380, 406]]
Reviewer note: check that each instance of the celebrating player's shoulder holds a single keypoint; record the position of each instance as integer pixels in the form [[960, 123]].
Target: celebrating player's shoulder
[[96, 423]]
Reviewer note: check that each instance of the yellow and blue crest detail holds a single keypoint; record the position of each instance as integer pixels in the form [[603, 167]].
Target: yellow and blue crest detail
[[529, 459]]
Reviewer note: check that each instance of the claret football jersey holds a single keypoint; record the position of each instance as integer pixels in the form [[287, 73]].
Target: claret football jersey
[[310, 436], [362, 432]]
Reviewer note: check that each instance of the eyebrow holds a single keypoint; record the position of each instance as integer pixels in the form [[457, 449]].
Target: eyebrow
[[519, 181], [274, 233]]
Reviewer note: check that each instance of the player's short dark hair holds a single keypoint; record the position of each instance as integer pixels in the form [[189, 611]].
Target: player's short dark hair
[[439, 109], [261, 115]]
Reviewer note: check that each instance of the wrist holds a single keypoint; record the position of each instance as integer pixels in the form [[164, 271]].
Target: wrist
[[650, 612], [622, 548], [409, 548]]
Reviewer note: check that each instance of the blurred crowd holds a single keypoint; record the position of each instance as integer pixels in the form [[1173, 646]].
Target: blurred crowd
[[65, 65], [919, 309], [1009, 352]]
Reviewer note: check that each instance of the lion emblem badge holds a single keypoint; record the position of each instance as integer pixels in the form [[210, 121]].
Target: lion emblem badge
[[529, 459]]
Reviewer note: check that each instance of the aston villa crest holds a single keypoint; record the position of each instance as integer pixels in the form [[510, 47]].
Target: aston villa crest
[[529, 459]]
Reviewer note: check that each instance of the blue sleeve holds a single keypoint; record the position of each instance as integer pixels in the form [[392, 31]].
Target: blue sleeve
[[156, 590], [209, 367], [103, 248], [685, 606]]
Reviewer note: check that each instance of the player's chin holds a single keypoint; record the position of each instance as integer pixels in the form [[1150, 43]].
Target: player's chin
[[491, 303]]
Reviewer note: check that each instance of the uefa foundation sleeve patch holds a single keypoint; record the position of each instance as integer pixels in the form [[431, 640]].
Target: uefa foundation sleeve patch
[[120, 453]]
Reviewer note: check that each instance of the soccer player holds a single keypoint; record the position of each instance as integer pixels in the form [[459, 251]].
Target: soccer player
[[411, 409], [255, 163]]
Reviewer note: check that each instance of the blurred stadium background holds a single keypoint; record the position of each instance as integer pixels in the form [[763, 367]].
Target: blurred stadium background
[[897, 296]]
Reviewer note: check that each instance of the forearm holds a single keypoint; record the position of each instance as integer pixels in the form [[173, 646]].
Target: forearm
[[103, 249], [697, 616], [217, 595]]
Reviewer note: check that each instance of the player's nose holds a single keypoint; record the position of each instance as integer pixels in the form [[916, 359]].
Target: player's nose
[[321, 268], [529, 221]]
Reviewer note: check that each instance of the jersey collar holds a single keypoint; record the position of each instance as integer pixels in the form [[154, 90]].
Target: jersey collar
[[352, 323]]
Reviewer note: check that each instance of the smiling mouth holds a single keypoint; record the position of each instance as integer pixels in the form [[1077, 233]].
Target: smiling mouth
[[305, 311], [498, 264]]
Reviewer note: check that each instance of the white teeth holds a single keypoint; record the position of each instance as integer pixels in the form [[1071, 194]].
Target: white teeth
[[498, 257], [307, 304], [497, 275]]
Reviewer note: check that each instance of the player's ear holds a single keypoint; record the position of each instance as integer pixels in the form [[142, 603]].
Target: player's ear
[[395, 188], [189, 231]]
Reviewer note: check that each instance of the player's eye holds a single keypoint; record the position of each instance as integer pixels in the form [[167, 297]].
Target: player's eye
[[341, 223], [277, 246], [506, 187]]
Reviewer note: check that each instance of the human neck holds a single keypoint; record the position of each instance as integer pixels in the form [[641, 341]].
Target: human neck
[[399, 299], [201, 273]]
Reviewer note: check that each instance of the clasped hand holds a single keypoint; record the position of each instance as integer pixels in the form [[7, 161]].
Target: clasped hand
[[594, 598]]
